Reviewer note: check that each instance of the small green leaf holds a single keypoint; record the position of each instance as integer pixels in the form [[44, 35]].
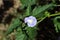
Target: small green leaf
[[28, 11], [38, 10], [23, 24], [15, 23], [27, 2], [21, 37], [47, 13], [31, 32], [57, 23]]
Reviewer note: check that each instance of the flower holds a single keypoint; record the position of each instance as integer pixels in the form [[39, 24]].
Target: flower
[[31, 21]]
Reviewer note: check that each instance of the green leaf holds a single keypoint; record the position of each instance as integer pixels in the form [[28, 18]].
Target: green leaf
[[15, 23], [38, 10], [47, 13], [20, 35], [57, 23], [28, 11], [27, 2], [31, 32]]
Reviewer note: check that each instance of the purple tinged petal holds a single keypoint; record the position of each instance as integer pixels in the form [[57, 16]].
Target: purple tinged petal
[[31, 21], [25, 20]]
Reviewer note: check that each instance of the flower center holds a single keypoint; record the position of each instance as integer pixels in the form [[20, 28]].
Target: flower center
[[30, 21]]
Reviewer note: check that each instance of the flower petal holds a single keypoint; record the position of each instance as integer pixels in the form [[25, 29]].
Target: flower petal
[[31, 21]]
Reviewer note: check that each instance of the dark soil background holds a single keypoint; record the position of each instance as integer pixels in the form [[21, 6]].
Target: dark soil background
[[47, 29]]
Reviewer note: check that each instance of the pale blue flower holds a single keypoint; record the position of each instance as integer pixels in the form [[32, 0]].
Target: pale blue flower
[[31, 21]]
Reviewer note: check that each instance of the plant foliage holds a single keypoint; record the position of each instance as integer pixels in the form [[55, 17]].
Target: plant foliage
[[23, 32], [57, 23]]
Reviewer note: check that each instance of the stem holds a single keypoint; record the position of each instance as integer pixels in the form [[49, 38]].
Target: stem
[[56, 5], [48, 16], [54, 14], [41, 20]]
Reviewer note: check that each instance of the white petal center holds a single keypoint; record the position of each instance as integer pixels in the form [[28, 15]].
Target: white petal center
[[30, 21]]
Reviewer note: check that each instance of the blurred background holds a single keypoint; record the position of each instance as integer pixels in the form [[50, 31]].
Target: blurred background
[[46, 28]]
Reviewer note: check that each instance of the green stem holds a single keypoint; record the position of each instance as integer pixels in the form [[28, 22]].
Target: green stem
[[56, 5], [48, 16], [54, 14], [41, 20]]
